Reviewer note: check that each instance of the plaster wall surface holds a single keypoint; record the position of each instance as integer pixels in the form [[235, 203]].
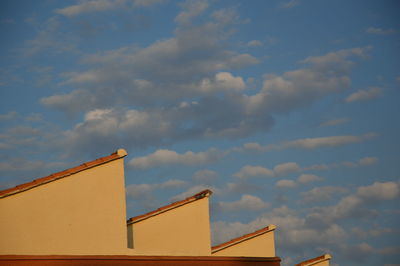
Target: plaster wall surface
[[182, 231], [79, 214], [258, 246]]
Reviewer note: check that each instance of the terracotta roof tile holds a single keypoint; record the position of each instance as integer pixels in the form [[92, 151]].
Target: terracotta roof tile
[[315, 260], [40, 181], [200, 195], [237, 240]]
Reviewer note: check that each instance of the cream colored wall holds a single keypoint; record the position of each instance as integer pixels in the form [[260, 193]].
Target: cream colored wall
[[259, 246], [80, 214], [181, 231]]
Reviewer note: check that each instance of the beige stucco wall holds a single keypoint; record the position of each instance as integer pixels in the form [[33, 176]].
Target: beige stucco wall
[[183, 231], [79, 214], [321, 263], [258, 246]]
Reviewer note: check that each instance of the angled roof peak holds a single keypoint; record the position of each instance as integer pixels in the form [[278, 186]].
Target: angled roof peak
[[240, 239], [120, 153], [197, 196], [314, 261]]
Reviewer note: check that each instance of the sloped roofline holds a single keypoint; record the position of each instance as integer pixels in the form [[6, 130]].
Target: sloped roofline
[[120, 153], [200, 195], [315, 260], [240, 239]]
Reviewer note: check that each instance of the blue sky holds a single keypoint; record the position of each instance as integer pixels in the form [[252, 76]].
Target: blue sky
[[287, 110]]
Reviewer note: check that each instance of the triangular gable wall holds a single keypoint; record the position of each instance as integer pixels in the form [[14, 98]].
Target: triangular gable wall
[[78, 211], [181, 228], [260, 243]]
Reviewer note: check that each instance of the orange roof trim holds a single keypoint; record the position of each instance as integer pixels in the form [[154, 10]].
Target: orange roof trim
[[240, 239], [315, 260], [120, 153], [200, 195]]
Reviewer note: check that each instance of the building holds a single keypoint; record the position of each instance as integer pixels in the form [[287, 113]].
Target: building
[[318, 261], [78, 217]]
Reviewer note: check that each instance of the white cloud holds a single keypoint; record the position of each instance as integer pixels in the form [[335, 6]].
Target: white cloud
[[290, 4], [380, 31], [138, 191], [364, 95], [254, 43], [8, 116], [240, 187], [332, 141], [334, 122], [224, 231], [367, 161], [294, 233], [50, 37], [25, 165], [358, 204], [301, 180], [91, 6], [374, 232], [250, 171], [162, 72], [306, 143], [337, 57], [286, 183], [307, 178], [320, 194], [161, 76], [190, 10], [246, 202], [256, 147], [222, 81], [205, 176], [286, 168], [380, 191], [168, 157]]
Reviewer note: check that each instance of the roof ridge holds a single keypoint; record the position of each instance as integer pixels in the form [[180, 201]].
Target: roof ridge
[[242, 238], [176, 204], [315, 260], [120, 153]]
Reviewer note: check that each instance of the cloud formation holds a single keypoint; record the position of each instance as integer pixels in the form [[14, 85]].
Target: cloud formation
[[286, 183], [205, 176], [307, 178], [92, 6], [184, 87], [364, 95], [357, 205], [138, 191], [334, 122], [251, 171], [380, 31], [301, 180], [306, 143], [333, 141], [301, 234], [169, 157], [286, 168], [246, 202], [321, 194]]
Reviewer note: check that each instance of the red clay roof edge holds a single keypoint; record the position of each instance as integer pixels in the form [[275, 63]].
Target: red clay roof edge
[[239, 239], [120, 153], [315, 260], [200, 195]]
